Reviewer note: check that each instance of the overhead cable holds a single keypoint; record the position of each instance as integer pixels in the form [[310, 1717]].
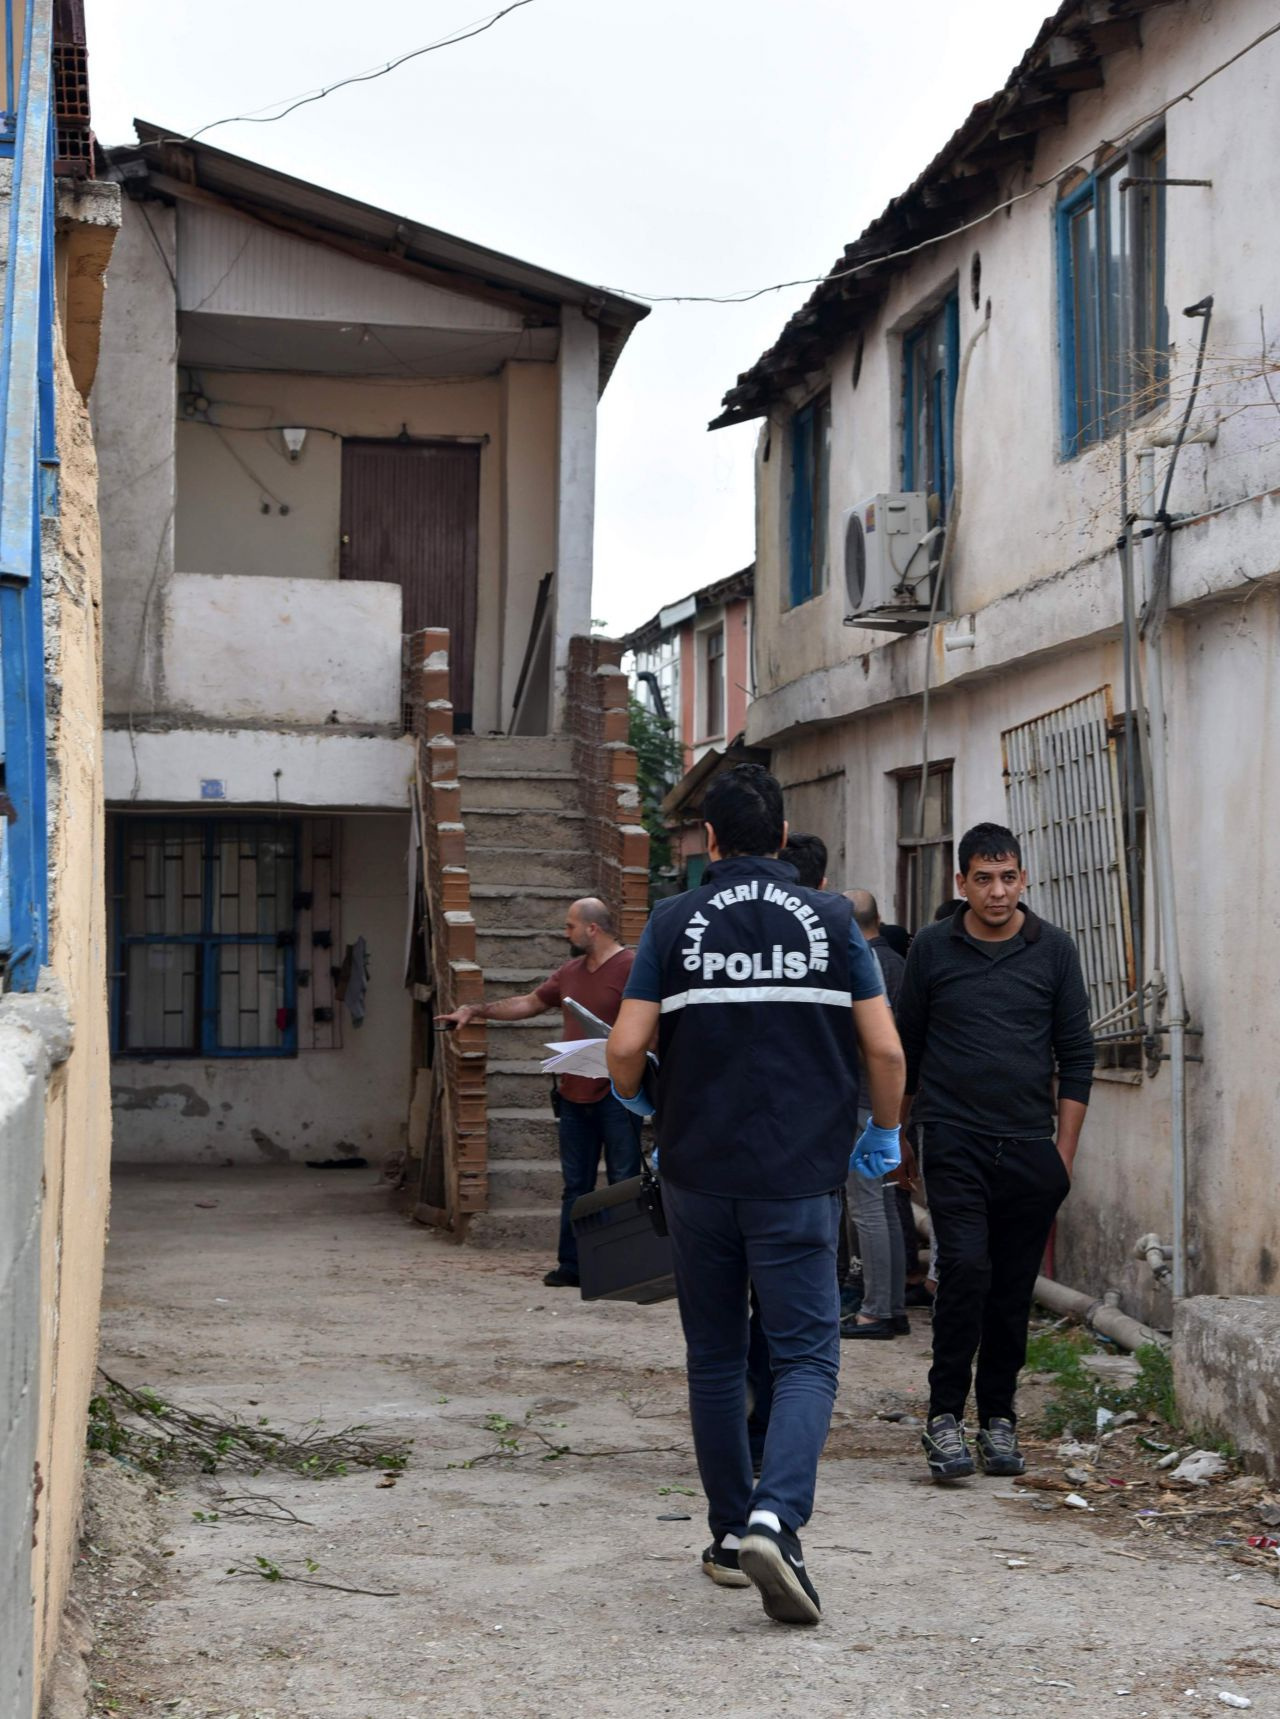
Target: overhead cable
[[260, 116], [1137, 125]]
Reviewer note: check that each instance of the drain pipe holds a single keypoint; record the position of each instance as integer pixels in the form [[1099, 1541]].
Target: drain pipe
[[1163, 864], [1103, 1316]]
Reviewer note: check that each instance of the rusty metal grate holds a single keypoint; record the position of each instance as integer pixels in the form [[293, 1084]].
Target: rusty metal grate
[[1063, 796]]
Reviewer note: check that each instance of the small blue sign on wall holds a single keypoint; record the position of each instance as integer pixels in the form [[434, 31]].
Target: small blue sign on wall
[[212, 788]]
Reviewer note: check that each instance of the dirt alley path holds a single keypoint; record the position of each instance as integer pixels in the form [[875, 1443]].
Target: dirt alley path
[[536, 1588]]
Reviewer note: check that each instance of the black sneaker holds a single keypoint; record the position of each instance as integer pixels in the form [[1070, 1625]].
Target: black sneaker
[[559, 1278], [944, 1445], [918, 1296], [722, 1566], [998, 1451], [774, 1561]]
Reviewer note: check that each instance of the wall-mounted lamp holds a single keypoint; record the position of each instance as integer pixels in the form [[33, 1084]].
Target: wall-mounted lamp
[[293, 440]]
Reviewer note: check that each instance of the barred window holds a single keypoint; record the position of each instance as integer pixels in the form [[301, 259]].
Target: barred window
[[1062, 789], [205, 937]]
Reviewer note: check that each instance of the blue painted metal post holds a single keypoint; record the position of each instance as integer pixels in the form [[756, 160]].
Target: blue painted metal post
[[28, 493]]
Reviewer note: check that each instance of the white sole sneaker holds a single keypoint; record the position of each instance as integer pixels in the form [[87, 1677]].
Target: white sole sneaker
[[784, 1596]]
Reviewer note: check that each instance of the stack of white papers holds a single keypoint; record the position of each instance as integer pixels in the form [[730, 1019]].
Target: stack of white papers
[[577, 1056]]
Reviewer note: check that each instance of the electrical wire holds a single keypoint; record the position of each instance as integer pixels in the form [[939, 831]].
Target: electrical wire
[[463, 33], [747, 295]]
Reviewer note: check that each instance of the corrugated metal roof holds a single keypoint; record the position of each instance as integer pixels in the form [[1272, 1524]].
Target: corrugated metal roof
[[375, 234], [1000, 132], [739, 584]]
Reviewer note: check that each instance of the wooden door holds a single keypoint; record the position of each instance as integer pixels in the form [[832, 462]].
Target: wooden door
[[411, 517]]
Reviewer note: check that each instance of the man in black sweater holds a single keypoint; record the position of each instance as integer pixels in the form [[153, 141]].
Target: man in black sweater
[[992, 1007]]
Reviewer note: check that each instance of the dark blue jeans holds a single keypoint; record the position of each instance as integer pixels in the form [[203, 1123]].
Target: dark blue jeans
[[586, 1131], [787, 1250]]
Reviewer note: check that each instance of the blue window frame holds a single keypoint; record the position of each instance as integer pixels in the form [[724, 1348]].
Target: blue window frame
[[205, 916], [810, 499], [930, 354], [1114, 325]]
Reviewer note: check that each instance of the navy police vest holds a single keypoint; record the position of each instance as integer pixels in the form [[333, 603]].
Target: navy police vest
[[758, 1075]]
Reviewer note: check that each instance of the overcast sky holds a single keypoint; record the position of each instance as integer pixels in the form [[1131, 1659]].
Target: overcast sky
[[696, 146]]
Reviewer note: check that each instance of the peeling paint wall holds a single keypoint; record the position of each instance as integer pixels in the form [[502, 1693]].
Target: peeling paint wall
[[1037, 617], [320, 1104], [77, 1112]]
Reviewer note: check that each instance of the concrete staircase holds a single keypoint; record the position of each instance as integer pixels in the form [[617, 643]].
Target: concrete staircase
[[526, 852]]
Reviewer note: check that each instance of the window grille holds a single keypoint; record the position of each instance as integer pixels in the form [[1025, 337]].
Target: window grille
[[1063, 794]]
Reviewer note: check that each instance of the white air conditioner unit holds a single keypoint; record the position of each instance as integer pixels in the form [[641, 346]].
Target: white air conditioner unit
[[890, 558]]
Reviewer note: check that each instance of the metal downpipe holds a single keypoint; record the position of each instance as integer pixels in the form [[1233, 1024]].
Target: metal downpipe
[[1163, 866]]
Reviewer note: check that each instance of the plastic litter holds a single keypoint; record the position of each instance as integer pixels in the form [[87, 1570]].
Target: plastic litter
[[1201, 1467], [1017, 1563], [1263, 1542], [1126, 1419], [674, 1516], [1152, 1443], [1105, 1418], [1229, 1700], [1168, 1461], [1071, 1450], [1073, 1501], [1077, 1476]]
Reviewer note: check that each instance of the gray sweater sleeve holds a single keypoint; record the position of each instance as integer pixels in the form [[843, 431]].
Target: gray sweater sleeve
[[1073, 1050], [911, 1011]]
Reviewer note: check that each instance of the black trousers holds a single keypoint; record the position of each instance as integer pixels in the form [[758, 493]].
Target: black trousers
[[992, 1202]]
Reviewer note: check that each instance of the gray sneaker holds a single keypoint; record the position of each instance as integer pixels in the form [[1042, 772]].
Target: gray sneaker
[[944, 1445], [998, 1451]]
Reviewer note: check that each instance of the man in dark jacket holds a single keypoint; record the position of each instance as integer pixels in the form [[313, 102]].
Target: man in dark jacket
[[992, 1008], [761, 992]]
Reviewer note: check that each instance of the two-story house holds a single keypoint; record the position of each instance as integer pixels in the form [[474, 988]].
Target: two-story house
[[326, 430], [1018, 490]]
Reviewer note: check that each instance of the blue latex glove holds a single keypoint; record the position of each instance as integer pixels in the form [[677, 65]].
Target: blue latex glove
[[877, 1152], [638, 1104]]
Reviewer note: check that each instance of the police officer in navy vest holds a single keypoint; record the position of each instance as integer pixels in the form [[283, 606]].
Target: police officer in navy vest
[[760, 992]]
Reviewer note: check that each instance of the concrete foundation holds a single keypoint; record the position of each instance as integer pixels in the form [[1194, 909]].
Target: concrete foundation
[[1226, 1368]]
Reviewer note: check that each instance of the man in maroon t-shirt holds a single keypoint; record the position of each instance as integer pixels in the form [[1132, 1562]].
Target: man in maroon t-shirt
[[591, 1119]]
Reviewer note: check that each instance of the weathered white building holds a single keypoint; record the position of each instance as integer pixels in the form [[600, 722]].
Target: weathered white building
[[1007, 347], [323, 428]]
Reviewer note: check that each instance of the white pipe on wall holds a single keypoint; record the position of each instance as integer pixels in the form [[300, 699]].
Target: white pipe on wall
[[1162, 857]]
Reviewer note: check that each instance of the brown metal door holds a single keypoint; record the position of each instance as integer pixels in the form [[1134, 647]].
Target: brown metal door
[[411, 517]]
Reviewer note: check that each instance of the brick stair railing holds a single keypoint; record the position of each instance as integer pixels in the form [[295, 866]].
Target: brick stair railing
[[605, 761], [448, 1132]]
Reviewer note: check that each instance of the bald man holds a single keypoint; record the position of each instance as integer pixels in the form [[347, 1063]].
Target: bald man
[[592, 1122]]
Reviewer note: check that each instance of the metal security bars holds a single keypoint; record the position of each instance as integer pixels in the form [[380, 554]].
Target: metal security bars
[[1063, 796]]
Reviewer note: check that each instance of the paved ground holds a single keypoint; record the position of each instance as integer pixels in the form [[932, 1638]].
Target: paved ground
[[528, 1587]]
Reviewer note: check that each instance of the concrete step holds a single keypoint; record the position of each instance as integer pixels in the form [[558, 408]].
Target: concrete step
[[514, 1041], [499, 906], [519, 1227], [503, 947], [517, 1086], [519, 866], [537, 829], [515, 752], [523, 1182], [525, 1132], [551, 790]]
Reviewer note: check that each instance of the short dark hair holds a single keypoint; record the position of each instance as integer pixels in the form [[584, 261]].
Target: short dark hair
[[990, 842], [744, 808], [946, 909], [808, 854]]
